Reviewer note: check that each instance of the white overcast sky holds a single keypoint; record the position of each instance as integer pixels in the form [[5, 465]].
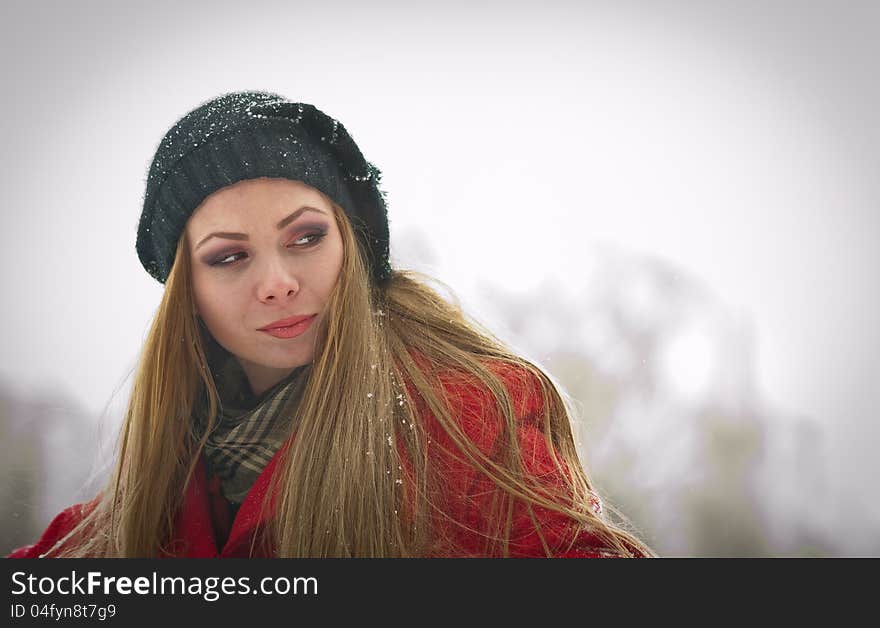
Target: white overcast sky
[[737, 140]]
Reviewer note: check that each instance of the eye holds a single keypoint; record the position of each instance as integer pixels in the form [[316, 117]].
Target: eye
[[309, 239], [221, 261], [305, 241]]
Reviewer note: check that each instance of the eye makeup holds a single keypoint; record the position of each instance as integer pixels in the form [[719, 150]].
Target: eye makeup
[[316, 227], [315, 231]]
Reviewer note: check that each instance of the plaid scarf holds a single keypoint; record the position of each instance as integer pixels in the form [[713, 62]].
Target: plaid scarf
[[250, 428]]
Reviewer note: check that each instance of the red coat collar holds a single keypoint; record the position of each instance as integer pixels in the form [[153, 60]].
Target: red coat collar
[[194, 530]]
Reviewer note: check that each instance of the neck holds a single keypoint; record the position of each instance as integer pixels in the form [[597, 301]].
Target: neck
[[262, 379]]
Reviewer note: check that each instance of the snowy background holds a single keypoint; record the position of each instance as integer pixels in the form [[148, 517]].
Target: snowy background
[[672, 206]]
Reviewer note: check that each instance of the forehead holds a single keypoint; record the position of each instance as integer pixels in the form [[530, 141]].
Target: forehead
[[255, 199]]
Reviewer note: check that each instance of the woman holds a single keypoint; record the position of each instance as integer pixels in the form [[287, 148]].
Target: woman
[[298, 397]]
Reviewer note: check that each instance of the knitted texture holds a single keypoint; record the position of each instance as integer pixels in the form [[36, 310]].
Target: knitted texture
[[247, 135]]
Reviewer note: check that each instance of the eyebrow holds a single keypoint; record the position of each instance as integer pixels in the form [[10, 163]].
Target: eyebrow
[[243, 236]]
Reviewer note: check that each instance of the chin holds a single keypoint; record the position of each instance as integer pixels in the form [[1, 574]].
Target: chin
[[285, 362]]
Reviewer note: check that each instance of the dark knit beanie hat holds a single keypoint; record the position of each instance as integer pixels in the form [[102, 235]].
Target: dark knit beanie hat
[[246, 135]]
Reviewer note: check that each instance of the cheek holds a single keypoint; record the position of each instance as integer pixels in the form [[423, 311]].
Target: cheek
[[331, 269], [199, 292], [210, 302], [219, 317]]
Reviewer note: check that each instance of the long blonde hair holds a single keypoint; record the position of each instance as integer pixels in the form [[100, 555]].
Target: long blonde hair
[[356, 480]]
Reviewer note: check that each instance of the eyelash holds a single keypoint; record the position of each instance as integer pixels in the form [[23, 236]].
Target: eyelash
[[317, 237]]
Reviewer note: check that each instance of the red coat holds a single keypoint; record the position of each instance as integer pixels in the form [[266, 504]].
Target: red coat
[[203, 519]]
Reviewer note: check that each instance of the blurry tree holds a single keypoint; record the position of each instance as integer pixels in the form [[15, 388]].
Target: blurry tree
[[698, 471], [48, 451]]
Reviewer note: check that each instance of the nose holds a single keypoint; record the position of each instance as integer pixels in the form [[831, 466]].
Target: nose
[[276, 282]]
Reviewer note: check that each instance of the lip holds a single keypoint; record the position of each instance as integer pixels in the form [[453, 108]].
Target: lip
[[290, 331], [286, 322]]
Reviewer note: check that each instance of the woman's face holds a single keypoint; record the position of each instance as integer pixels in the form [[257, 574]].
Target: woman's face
[[264, 250]]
